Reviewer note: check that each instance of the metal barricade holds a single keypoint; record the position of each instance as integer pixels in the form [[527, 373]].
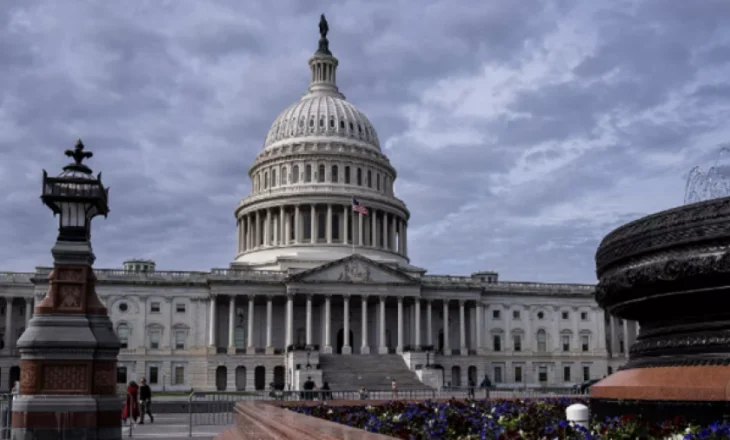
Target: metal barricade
[[6, 415]]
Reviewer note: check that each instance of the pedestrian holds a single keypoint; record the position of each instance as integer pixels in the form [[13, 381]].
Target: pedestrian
[[471, 388], [326, 393], [131, 404], [145, 400], [394, 387], [363, 393], [486, 384]]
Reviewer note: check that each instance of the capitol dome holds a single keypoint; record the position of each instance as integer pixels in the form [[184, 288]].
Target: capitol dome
[[321, 188]]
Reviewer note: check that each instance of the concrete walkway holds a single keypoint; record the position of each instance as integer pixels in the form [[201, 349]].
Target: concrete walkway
[[171, 427]]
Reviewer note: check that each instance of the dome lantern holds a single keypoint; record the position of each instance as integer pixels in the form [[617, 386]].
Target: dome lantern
[[324, 67]]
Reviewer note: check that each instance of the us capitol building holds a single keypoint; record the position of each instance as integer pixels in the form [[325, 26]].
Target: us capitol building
[[321, 289]]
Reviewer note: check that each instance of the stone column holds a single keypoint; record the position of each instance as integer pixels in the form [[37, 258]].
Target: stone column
[[28, 311], [405, 239], [429, 324], [309, 321], [274, 229], [373, 229], [329, 223], [327, 324], [365, 348], [392, 241], [627, 342], [281, 228], [249, 233], [418, 323], [383, 349], [360, 225], [346, 348], [446, 347], [267, 228], [231, 325], [8, 323], [479, 312], [258, 229], [462, 330], [613, 337], [287, 229], [313, 224], [211, 323], [250, 349], [399, 347], [385, 230], [297, 228], [269, 324], [345, 225], [289, 319]]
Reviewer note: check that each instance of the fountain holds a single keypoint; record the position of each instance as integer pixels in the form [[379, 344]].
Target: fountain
[[713, 184]]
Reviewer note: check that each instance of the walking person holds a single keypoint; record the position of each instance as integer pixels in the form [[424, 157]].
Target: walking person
[[131, 404], [394, 387], [145, 401], [471, 388]]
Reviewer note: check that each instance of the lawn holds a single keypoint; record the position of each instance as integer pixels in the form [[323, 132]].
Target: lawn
[[502, 420]]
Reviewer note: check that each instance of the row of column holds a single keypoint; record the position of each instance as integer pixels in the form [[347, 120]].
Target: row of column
[[629, 331], [273, 227], [9, 340], [347, 349]]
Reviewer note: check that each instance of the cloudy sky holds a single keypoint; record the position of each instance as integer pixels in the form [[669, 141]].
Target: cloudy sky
[[523, 131]]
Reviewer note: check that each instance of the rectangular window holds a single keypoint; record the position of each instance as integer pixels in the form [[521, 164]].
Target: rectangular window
[[359, 177], [321, 174], [495, 314], [542, 374], [584, 316], [154, 375], [347, 175], [586, 372], [179, 375], [518, 374], [497, 374], [334, 174], [180, 340], [565, 315], [566, 373], [515, 314], [155, 307], [497, 342], [180, 308], [370, 179], [517, 342], [155, 339], [566, 342], [584, 342], [321, 226]]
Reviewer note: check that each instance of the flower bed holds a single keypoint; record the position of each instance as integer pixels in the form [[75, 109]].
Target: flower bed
[[502, 420]]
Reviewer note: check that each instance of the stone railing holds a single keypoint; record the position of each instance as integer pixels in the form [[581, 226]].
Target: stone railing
[[243, 274], [15, 277], [314, 188], [508, 286]]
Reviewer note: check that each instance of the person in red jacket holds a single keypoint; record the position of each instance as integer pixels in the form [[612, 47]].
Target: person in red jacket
[[131, 405]]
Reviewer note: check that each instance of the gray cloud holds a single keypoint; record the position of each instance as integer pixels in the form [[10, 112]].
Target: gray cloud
[[548, 123]]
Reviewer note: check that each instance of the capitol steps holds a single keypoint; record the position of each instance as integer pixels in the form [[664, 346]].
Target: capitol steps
[[374, 371]]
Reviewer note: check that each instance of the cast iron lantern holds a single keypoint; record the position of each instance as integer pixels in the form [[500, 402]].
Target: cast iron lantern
[[76, 196]]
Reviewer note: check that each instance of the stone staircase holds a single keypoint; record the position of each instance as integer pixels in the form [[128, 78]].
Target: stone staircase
[[374, 371]]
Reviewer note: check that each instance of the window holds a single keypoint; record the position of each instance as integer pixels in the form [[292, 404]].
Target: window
[[565, 315], [515, 314], [180, 307], [154, 378], [586, 372], [122, 375], [335, 226], [584, 316], [123, 307], [518, 373], [497, 342], [621, 347], [541, 341], [295, 174], [123, 335], [308, 173], [347, 175], [584, 343], [496, 314], [377, 181], [497, 374], [517, 342], [359, 177], [283, 176], [566, 342], [155, 339], [542, 373], [273, 178], [540, 315], [179, 340], [155, 307], [610, 371], [320, 174], [370, 179], [178, 375], [335, 176], [266, 179], [307, 225], [566, 373], [321, 226]]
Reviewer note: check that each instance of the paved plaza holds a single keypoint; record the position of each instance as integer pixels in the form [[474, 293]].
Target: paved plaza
[[171, 427]]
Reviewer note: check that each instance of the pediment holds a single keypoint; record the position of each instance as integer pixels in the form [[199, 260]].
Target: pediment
[[354, 269]]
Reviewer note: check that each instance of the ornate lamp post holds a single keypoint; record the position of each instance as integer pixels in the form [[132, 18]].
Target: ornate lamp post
[[68, 353]]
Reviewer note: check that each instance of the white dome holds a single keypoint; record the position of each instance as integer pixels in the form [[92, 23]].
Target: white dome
[[320, 115]]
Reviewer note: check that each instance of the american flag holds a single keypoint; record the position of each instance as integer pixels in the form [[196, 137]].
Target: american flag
[[357, 207]]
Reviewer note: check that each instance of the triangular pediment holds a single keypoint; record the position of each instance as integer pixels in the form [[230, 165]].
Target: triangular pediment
[[354, 269]]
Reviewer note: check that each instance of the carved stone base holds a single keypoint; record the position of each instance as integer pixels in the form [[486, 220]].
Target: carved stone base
[[364, 350], [697, 393], [382, 350], [231, 349], [270, 350], [250, 350], [327, 349], [346, 349]]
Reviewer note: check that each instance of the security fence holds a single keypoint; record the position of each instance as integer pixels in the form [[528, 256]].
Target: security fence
[[6, 415]]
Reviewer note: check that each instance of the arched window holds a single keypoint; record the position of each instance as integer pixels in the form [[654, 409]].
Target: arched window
[[320, 174], [266, 179], [295, 174], [335, 177], [541, 341], [370, 179], [308, 173], [123, 334], [257, 182], [283, 176], [347, 175], [273, 178], [359, 177], [377, 181]]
